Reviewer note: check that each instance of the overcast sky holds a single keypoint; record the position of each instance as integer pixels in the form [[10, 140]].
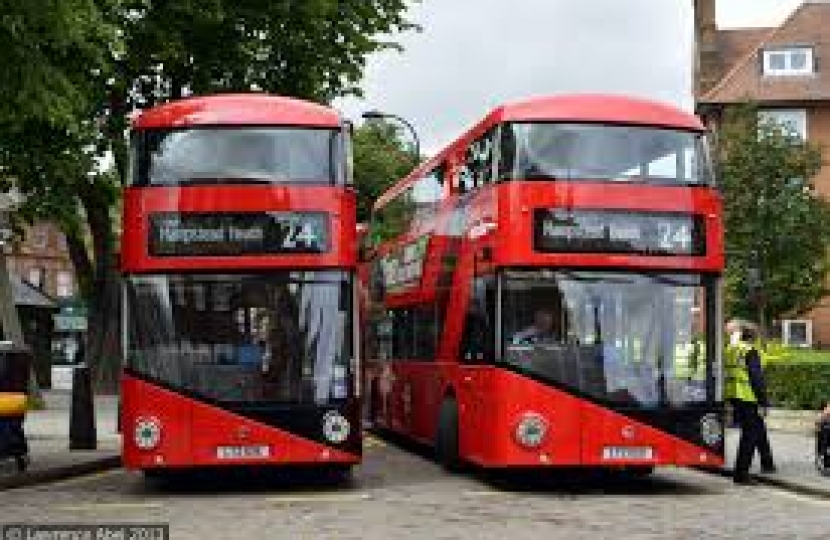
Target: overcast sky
[[475, 54]]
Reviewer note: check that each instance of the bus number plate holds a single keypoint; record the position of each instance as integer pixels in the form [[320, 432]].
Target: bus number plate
[[611, 453], [242, 452]]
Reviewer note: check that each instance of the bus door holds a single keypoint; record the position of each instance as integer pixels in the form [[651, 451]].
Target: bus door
[[476, 356]]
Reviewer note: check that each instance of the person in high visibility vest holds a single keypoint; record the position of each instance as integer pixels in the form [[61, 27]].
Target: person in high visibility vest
[[746, 391]]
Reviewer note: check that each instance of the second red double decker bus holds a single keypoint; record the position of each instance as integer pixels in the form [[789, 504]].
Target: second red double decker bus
[[239, 257], [546, 291]]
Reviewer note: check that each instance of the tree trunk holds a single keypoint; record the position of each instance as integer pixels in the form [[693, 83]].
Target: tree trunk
[[103, 337], [762, 314], [81, 262], [11, 321]]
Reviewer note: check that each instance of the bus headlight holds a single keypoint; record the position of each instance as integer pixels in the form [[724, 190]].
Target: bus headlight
[[531, 430], [711, 429], [147, 434], [336, 427]]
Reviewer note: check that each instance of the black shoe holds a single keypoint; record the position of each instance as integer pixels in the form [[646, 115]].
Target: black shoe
[[769, 470], [743, 480]]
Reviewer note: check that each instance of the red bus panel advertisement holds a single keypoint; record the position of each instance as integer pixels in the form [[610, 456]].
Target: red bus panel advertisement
[[546, 291], [239, 260]]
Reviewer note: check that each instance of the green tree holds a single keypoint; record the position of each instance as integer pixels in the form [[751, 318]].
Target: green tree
[[380, 160], [90, 63], [49, 49], [777, 226]]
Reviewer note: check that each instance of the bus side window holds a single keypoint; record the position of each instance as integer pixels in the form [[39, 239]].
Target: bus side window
[[465, 179], [414, 332], [394, 218], [426, 193], [478, 163]]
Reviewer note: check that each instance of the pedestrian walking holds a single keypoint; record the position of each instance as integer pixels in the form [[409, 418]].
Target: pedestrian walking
[[746, 392]]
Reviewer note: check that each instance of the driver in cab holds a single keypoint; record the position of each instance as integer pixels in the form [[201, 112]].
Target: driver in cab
[[540, 332]]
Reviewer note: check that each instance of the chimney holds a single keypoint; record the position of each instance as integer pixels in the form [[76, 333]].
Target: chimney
[[708, 66]]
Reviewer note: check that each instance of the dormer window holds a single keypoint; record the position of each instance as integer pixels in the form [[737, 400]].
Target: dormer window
[[788, 61]]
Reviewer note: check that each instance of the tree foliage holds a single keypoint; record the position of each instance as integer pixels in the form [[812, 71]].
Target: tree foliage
[[380, 160], [49, 50], [74, 70], [777, 226]]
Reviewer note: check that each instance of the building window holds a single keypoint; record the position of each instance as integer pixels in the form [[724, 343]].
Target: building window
[[793, 120], [789, 61], [797, 333], [35, 277], [65, 284]]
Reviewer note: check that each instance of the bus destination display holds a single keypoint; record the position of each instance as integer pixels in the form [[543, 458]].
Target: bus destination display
[[240, 233], [617, 231]]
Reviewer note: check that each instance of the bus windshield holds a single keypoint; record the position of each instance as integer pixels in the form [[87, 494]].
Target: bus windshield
[[632, 340], [272, 337], [237, 155], [602, 152]]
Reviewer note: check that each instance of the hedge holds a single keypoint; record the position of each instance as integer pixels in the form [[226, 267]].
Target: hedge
[[798, 384]]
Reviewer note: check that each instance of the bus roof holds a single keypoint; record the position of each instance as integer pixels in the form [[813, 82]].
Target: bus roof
[[237, 109], [602, 108], [587, 108]]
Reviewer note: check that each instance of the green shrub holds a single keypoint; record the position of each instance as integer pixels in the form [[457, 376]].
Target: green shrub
[[798, 384], [776, 351], [809, 355]]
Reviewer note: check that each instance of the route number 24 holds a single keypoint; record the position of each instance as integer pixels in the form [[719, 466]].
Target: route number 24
[[674, 236], [299, 234]]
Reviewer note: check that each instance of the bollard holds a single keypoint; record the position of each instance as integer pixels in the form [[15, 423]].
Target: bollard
[[82, 433]]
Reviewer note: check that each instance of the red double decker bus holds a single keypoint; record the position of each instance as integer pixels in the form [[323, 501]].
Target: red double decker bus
[[546, 291], [239, 258]]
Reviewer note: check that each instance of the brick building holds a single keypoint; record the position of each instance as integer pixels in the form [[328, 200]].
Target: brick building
[[42, 260], [786, 71]]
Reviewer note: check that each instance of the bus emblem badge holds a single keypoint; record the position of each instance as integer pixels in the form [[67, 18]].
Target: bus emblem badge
[[628, 432]]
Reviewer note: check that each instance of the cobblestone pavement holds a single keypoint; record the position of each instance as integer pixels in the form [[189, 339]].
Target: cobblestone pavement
[[398, 494]]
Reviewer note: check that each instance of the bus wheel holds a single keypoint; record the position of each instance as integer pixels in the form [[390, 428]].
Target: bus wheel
[[446, 437]]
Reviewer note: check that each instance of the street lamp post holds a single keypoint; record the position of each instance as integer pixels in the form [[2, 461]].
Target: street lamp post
[[379, 115]]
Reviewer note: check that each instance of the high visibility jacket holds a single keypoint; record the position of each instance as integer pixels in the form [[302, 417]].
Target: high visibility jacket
[[690, 361], [697, 361], [737, 384], [765, 354]]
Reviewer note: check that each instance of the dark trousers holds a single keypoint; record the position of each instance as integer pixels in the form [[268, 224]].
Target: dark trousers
[[753, 436], [12, 437]]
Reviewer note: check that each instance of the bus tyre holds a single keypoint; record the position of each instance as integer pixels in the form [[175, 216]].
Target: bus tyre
[[446, 438]]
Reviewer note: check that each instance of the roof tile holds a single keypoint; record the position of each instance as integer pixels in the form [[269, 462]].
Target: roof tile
[[743, 78]]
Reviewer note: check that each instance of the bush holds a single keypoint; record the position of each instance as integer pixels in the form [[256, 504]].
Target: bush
[[776, 351], [808, 355], [798, 384]]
